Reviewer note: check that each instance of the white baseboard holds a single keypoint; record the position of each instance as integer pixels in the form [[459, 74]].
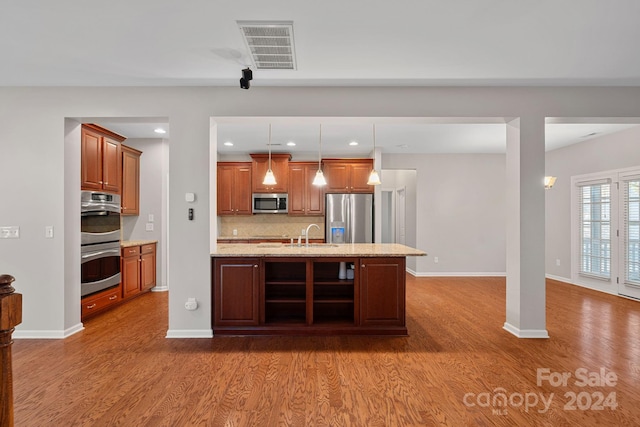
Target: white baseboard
[[31, 334], [463, 274], [559, 279], [189, 333], [525, 333], [163, 288]]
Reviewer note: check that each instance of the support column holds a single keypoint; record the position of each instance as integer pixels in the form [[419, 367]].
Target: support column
[[526, 296]]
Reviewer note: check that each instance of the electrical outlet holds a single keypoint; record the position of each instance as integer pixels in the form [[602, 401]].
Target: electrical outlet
[[191, 304], [149, 226], [435, 259], [48, 232], [558, 262], [235, 232]]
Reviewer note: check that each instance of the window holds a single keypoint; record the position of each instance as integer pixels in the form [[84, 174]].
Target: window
[[631, 220], [595, 230], [606, 231]]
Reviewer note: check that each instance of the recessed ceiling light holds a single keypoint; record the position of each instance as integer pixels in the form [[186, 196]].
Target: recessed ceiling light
[[291, 144], [159, 130], [353, 143], [229, 144]]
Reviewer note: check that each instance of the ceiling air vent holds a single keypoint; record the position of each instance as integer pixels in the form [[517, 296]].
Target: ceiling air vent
[[270, 44]]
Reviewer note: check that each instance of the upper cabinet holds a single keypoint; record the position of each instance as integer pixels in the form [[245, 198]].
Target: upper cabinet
[[304, 197], [279, 167], [101, 163], [348, 175], [130, 181], [234, 188]]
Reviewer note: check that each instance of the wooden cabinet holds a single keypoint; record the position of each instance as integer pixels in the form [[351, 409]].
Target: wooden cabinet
[[138, 269], [305, 296], [279, 167], [382, 287], [234, 188], [348, 175], [235, 291], [101, 163], [100, 301], [130, 198], [304, 197]]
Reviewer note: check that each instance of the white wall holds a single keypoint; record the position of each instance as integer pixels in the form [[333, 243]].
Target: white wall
[[154, 170], [608, 152], [460, 204], [36, 191]]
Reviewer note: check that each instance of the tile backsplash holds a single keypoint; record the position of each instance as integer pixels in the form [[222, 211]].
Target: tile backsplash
[[269, 225]]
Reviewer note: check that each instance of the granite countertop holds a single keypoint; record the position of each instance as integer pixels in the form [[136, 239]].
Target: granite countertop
[[316, 250], [129, 243], [267, 237]]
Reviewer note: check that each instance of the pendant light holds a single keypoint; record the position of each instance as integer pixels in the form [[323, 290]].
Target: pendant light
[[374, 179], [269, 178], [319, 179]]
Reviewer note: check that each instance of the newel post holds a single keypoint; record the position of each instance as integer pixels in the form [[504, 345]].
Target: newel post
[[10, 317]]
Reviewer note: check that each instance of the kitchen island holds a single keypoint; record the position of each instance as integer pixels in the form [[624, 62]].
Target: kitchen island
[[320, 289]]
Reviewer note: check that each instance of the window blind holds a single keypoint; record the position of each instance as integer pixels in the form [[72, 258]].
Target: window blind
[[595, 229], [631, 229]]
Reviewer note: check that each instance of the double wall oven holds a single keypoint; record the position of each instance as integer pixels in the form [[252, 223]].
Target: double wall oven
[[100, 241]]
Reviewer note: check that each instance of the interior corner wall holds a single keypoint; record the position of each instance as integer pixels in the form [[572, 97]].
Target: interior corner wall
[[460, 209], [608, 152], [154, 168]]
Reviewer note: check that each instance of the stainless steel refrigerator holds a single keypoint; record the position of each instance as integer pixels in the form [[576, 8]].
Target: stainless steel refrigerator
[[349, 218]]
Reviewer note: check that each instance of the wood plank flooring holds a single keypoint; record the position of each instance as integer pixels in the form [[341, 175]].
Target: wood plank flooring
[[453, 369]]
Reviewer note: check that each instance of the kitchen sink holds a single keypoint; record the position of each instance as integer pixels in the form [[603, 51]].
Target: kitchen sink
[[323, 245]]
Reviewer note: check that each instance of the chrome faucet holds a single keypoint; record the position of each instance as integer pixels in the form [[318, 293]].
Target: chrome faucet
[[306, 234]]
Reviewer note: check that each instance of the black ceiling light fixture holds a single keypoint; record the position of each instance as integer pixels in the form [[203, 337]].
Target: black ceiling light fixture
[[247, 75]]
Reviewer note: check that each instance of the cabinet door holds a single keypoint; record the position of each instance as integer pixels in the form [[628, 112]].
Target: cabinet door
[[337, 175], [279, 167], [130, 181], [234, 188], [91, 161], [130, 275], [314, 200], [382, 291], [236, 291], [242, 190], [111, 165], [359, 176], [148, 270], [297, 189]]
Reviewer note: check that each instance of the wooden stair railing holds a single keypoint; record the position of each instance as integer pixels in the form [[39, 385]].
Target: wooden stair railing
[[10, 317]]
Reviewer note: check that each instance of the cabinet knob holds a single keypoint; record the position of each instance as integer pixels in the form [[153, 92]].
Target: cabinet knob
[[362, 266], [255, 266]]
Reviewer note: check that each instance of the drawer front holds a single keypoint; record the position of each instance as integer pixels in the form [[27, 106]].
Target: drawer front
[[148, 249], [131, 251], [92, 305]]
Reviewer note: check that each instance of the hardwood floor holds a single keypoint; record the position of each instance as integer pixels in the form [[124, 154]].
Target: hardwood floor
[[121, 370]]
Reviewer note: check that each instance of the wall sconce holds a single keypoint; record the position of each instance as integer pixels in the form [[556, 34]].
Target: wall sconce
[[549, 181], [269, 178], [374, 178], [319, 179]]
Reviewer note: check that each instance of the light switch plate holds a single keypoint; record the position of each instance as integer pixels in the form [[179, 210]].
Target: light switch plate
[[10, 232], [151, 218]]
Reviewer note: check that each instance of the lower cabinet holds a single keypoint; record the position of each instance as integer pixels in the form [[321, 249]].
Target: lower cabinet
[[299, 296], [235, 298], [138, 269], [100, 301]]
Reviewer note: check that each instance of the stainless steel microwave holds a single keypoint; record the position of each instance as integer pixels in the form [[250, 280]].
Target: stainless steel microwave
[[270, 203]]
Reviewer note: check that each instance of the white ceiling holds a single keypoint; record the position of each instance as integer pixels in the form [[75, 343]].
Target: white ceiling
[[337, 43]]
